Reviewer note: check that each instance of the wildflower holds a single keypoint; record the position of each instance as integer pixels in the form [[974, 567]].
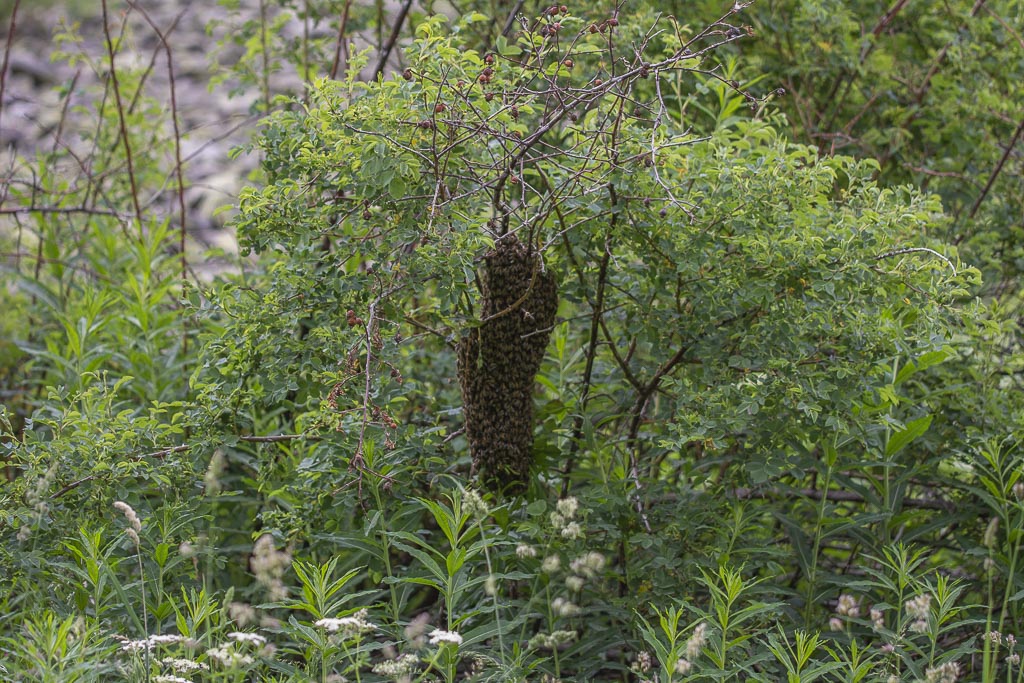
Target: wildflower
[[1013, 659], [557, 520], [988, 564], [491, 585], [544, 641], [242, 613], [848, 607], [893, 678], [919, 626], [168, 678], [564, 608], [186, 550], [228, 657], [683, 666], [349, 626], [567, 507], [1010, 640], [835, 624], [994, 637], [211, 480], [134, 525], [524, 551], [268, 565], [697, 640], [588, 565], [1018, 490], [877, 619], [888, 648], [991, 533], [403, 666], [643, 662], [415, 630], [551, 564], [947, 673], [574, 583], [242, 637], [183, 665], [473, 504], [438, 636], [918, 607], [572, 530]]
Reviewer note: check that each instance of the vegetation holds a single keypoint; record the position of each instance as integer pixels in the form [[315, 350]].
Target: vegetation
[[583, 344]]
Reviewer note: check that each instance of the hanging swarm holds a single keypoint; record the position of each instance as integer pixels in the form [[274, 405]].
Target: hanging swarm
[[499, 360]]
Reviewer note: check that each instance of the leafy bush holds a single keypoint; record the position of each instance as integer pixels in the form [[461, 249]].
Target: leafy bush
[[548, 360]]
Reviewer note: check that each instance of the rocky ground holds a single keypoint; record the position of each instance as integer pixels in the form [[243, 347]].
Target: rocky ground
[[34, 116]]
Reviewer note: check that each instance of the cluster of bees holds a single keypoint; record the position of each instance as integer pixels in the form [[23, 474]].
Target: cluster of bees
[[499, 360]]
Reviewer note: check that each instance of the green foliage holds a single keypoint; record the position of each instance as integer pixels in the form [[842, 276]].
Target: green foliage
[[770, 439]]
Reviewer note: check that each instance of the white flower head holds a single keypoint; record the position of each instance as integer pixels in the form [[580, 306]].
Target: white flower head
[[474, 504], [349, 626], [243, 637], [551, 564], [524, 551], [567, 507], [698, 639], [437, 636], [572, 530]]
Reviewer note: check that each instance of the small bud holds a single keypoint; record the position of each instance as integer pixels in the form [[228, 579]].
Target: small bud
[[489, 96], [489, 58], [613, 22], [594, 28], [440, 107], [568, 63], [407, 74], [367, 215], [563, 9], [598, 81]]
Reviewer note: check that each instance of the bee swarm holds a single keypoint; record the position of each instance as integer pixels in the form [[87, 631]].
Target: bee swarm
[[499, 360]]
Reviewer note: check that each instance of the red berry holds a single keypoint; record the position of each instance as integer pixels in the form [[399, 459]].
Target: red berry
[[407, 74], [439, 107]]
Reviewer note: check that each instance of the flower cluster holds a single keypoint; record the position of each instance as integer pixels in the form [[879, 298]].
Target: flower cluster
[[134, 525], [229, 657], [917, 609], [183, 665], [697, 640], [473, 504], [152, 641], [553, 640], [349, 626], [437, 636], [403, 666], [562, 518], [947, 673], [269, 565]]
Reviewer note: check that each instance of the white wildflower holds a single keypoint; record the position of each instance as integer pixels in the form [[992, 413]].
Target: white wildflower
[[242, 637], [169, 678], [848, 607], [589, 565], [524, 551], [572, 530], [574, 583], [947, 673], [551, 564], [438, 636], [349, 626], [242, 613], [683, 666], [918, 607], [473, 504], [564, 608], [557, 520], [183, 665], [403, 666], [835, 624], [697, 640], [228, 657], [567, 507]]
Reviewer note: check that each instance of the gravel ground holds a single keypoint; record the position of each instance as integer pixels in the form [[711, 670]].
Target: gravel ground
[[211, 120]]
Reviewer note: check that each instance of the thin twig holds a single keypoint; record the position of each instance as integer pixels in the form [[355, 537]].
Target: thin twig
[[396, 30], [997, 169], [120, 117]]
